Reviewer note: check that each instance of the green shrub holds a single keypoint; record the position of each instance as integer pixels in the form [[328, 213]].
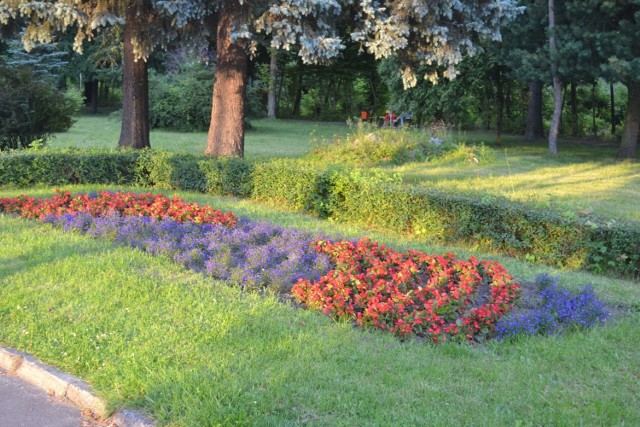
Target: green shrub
[[370, 146], [181, 101], [166, 170], [227, 177], [32, 107], [69, 166], [291, 184]]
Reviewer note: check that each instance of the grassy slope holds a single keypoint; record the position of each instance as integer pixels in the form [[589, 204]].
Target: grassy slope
[[192, 351]]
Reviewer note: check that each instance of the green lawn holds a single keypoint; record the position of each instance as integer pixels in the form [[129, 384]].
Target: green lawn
[[192, 351], [583, 179], [268, 138]]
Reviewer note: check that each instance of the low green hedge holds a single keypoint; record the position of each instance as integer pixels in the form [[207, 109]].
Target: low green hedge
[[351, 195]]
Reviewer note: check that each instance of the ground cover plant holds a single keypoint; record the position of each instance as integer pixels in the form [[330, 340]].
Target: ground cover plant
[[109, 314], [551, 309]]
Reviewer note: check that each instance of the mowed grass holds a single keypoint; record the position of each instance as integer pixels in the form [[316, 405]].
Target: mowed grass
[[586, 178], [193, 351], [268, 138]]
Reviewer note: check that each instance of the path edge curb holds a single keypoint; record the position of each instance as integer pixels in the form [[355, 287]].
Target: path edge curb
[[67, 387]]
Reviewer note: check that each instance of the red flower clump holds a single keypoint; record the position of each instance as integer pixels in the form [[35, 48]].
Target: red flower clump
[[108, 203], [434, 296]]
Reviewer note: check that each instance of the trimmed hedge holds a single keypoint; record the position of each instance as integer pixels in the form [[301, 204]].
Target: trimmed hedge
[[351, 195]]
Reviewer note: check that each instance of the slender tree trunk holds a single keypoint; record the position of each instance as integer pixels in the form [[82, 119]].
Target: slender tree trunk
[[374, 90], [574, 109], [134, 132], [534, 128], [226, 131], [273, 81], [499, 106], [297, 90], [613, 109], [486, 115], [94, 97], [629, 143], [594, 129], [557, 85]]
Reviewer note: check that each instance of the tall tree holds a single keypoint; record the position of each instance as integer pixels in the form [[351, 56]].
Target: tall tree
[[147, 24], [432, 34], [557, 85]]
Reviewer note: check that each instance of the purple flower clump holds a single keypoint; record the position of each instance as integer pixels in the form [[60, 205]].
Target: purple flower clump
[[256, 255], [557, 310]]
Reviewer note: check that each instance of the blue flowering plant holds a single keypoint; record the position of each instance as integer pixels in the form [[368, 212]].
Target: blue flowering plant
[[553, 310]]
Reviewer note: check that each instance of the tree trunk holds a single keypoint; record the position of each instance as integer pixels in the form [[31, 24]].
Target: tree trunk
[[499, 106], [226, 131], [613, 109], [134, 132], [486, 116], [594, 129], [273, 80], [297, 90], [629, 143], [534, 128], [557, 85], [94, 97], [574, 109]]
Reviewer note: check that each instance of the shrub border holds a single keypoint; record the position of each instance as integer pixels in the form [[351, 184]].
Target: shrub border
[[350, 195]]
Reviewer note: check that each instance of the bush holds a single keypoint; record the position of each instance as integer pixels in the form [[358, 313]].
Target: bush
[[32, 108], [68, 166], [181, 101], [370, 146]]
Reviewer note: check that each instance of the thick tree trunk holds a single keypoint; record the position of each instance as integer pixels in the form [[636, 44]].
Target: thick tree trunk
[[557, 85], [273, 80], [534, 128], [629, 143], [226, 131], [134, 132]]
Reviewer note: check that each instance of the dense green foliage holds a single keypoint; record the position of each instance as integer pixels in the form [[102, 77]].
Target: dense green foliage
[[356, 196], [181, 101], [32, 107]]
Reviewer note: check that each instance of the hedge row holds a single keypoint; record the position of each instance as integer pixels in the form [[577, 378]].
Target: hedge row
[[351, 195]]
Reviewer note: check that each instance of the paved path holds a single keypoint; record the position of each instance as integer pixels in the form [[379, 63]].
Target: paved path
[[24, 405]]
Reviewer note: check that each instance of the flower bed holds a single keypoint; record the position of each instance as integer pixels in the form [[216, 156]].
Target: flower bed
[[439, 297], [106, 203]]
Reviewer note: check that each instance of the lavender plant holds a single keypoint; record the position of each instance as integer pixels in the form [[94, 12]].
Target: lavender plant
[[556, 311], [256, 255]]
